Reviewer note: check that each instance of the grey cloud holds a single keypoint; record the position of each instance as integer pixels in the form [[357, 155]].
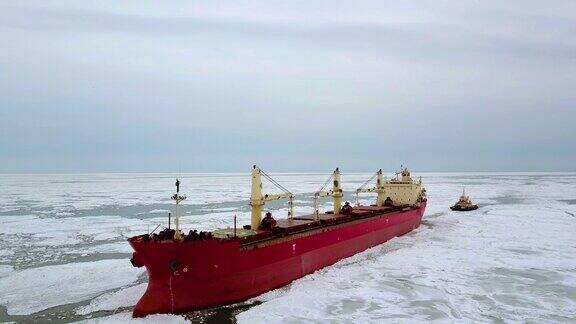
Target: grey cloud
[[101, 87], [438, 40]]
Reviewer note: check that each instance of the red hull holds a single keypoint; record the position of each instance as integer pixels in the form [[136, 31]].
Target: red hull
[[186, 276]]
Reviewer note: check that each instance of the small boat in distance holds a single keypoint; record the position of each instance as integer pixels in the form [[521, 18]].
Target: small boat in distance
[[464, 203]]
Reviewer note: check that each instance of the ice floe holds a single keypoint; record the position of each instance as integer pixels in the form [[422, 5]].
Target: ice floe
[[508, 263], [111, 301], [116, 247], [5, 270], [68, 231], [511, 260], [31, 290], [126, 317]]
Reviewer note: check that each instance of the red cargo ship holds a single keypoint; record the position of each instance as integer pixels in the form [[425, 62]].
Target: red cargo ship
[[210, 269]]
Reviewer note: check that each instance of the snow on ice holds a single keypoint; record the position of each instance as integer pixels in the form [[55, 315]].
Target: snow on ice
[[511, 260], [31, 290]]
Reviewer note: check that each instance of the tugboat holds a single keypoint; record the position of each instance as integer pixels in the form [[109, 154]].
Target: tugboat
[[464, 203], [209, 269]]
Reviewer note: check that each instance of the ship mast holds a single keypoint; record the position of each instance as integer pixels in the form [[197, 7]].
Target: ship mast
[[379, 188], [257, 199], [336, 193], [178, 198]]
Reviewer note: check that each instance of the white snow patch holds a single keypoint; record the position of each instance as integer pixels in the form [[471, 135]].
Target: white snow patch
[[68, 231], [5, 270], [510, 260], [127, 318], [159, 211], [506, 262], [116, 247], [35, 289], [111, 301]]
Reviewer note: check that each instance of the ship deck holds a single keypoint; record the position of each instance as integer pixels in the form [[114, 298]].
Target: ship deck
[[303, 224]]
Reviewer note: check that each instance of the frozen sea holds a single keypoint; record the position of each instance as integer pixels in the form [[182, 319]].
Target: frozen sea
[[64, 255]]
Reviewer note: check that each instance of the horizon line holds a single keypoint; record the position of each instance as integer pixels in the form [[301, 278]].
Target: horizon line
[[274, 172]]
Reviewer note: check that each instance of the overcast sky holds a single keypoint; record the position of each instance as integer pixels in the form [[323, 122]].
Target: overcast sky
[[177, 86]]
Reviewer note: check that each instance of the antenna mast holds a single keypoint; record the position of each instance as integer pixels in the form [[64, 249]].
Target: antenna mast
[[178, 198]]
